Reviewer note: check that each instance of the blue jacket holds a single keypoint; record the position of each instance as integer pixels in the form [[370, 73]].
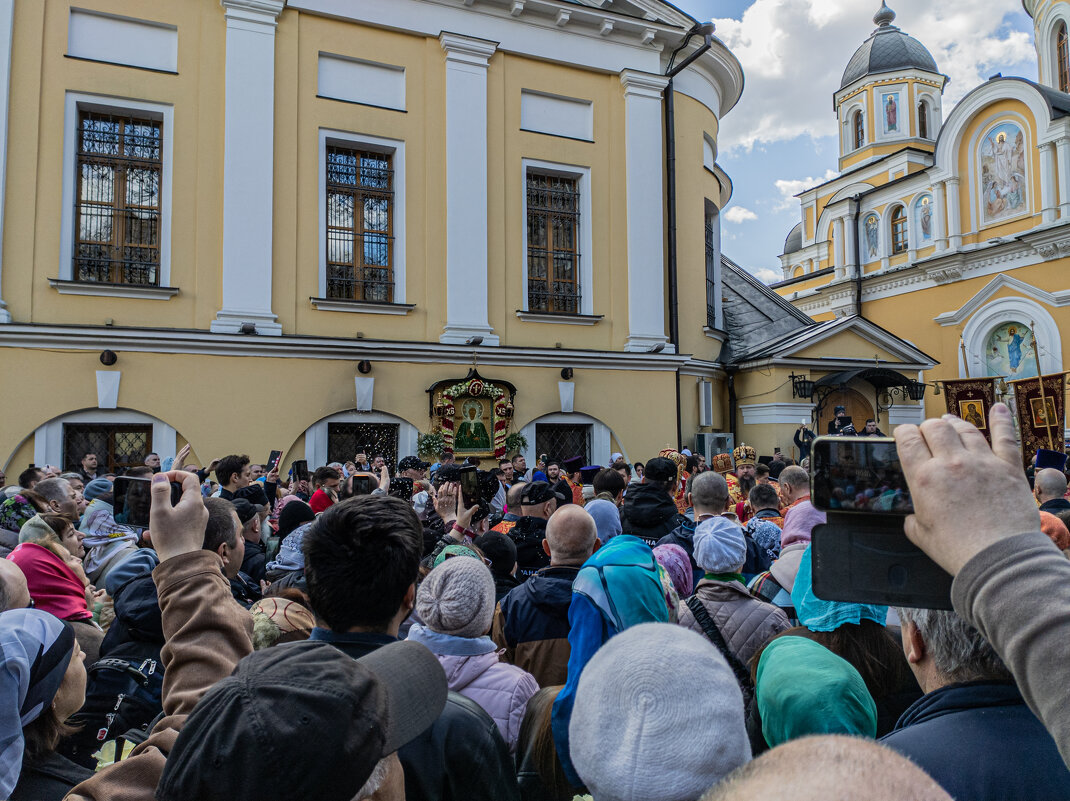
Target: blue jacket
[[979, 741], [531, 624]]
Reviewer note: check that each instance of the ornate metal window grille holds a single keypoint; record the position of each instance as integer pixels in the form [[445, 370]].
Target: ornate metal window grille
[[899, 230], [1062, 56], [346, 440], [553, 243], [564, 440], [923, 120], [711, 275], [117, 212], [860, 129], [117, 446], [360, 225]]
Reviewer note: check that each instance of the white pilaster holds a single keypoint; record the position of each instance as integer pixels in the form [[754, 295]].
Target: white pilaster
[[248, 166], [1063, 160], [7, 14], [853, 267], [837, 244], [646, 209], [1048, 200], [954, 224], [939, 216], [466, 189]]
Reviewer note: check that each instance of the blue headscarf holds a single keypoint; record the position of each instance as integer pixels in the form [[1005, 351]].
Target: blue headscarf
[[606, 518], [819, 615], [618, 587], [35, 650], [291, 557]]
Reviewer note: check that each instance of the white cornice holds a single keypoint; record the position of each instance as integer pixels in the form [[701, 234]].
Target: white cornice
[[643, 84], [467, 49], [143, 340], [1056, 299], [253, 12]]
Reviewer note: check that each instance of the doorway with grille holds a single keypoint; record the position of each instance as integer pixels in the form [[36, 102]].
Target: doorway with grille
[[345, 440], [563, 440], [117, 447]]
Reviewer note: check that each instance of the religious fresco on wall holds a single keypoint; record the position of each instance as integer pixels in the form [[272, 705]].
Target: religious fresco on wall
[[1010, 352], [1004, 178], [890, 104], [923, 218], [871, 235]]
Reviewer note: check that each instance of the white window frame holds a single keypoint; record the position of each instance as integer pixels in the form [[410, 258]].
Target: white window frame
[[316, 434], [76, 102], [601, 434], [586, 238], [48, 438], [396, 149]]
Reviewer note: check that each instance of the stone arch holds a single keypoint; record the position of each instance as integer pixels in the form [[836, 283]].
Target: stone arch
[[602, 436], [1005, 310], [316, 434]]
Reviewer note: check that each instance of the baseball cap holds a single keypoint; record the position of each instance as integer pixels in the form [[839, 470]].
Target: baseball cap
[[499, 549], [246, 509], [412, 463], [536, 492], [278, 703], [660, 469]]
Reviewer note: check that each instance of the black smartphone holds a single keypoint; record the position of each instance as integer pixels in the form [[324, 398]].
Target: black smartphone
[[469, 486], [132, 499], [401, 488], [362, 485], [273, 461], [300, 470], [862, 554], [858, 474]]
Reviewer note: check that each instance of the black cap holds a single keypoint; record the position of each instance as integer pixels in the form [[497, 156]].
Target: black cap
[[660, 469], [245, 509], [588, 473], [412, 463], [536, 492], [294, 514], [260, 733], [573, 464], [499, 549]]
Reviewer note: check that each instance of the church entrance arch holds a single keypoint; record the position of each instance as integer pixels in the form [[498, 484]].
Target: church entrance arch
[[858, 409]]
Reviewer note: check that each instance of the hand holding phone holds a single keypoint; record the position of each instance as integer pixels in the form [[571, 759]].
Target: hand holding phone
[[177, 528]]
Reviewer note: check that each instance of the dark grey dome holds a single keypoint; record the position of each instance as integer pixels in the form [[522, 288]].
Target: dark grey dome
[[794, 240], [886, 50]]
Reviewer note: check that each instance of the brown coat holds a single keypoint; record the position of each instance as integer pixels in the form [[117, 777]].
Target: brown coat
[[745, 622], [207, 634]]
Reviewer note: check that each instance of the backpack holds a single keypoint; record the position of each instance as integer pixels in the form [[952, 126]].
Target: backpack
[[123, 693]]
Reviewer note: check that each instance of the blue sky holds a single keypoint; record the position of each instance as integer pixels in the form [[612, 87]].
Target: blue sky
[[781, 137]]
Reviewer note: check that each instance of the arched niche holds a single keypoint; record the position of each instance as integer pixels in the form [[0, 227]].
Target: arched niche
[[983, 322]]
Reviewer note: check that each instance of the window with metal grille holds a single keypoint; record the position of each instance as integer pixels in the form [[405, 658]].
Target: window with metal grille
[[564, 440], [117, 213], [117, 446], [553, 207], [899, 230], [923, 120], [346, 440], [859, 130], [360, 225], [1062, 57]]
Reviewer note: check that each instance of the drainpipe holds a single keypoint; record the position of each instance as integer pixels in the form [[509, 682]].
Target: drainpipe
[[705, 30], [731, 372]]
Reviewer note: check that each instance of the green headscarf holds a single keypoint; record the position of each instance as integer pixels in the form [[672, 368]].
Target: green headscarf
[[803, 688], [454, 550]]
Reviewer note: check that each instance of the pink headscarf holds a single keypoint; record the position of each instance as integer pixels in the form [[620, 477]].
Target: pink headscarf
[[54, 587], [677, 564], [799, 523]]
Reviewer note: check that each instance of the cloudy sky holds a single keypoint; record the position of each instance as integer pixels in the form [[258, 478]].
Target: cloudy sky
[[781, 138]]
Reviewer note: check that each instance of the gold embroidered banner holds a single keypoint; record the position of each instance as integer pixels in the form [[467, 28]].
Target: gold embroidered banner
[[1041, 415], [970, 399]]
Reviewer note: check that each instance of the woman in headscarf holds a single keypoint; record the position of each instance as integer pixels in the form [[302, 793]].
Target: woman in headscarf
[[42, 683], [107, 542], [14, 512], [678, 565], [618, 587]]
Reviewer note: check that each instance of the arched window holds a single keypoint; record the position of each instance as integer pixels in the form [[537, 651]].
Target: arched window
[[923, 119], [899, 230], [859, 130], [1062, 57]]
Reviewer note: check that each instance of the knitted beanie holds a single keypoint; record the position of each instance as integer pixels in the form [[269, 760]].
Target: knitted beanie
[[719, 546], [666, 745], [457, 598], [96, 488]]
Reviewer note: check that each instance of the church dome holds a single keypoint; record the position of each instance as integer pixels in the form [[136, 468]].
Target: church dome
[[887, 49], [794, 240]]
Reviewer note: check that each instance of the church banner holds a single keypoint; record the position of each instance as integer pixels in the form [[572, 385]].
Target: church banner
[[970, 399], [1040, 415]]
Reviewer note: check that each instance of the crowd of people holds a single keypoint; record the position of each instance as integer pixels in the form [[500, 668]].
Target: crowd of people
[[439, 631]]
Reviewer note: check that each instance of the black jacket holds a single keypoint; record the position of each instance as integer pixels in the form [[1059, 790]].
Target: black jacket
[[1055, 505], [462, 757], [48, 779], [979, 741], [649, 513], [254, 565], [528, 534], [502, 586]]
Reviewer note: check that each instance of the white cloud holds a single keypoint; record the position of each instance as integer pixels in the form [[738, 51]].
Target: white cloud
[[794, 52], [738, 214], [789, 188], [767, 276]]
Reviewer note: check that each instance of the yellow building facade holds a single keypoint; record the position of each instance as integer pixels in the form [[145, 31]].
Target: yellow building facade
[[950, 231], [275, 224]]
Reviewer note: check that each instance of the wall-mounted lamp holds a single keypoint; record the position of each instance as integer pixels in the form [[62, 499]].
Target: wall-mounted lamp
[[801, 386], [108, 358], [364, 367], [916, 390], [567, 373]]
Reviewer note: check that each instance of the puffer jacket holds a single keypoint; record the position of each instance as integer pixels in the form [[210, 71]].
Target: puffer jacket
[[474, 670], [745, 622], [649, 513]]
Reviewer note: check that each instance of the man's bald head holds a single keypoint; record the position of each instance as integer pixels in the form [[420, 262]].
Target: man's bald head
[[1049, 484], [512, 496], [571, 535], [794, 477], [829, 766], [14, 593], [709, 493]]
